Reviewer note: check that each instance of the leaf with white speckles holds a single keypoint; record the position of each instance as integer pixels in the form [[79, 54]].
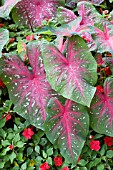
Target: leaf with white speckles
[[104, 38], [72, 76], [66, 127], [4, 37], [28, 90], [102, 109], [32, 12], [7, 7]]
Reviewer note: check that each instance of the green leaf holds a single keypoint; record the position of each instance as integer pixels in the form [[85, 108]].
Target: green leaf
[[20, 157], [109, 154], [100, 167], [44, 154], [49, 160], [3, 133], [29, 151], [2, 165], [82, 162], [50, 151], [24, 166], [4, 151], [20, 144], [5, 143], [2, 122], [12, 157], [37, 149], [16, 138]]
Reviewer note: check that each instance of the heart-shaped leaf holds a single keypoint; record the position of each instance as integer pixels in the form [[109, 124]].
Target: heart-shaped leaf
[[74, 76], [4, 37], [32, 12], [28, 90], [67, 127], [102, 109]]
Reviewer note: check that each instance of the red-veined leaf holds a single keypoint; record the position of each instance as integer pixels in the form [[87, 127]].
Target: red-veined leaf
[[74, 76], [4, 37], [67, 127], [33, 12], [102, 109], [7, 7], [104, 39], [28, 90]]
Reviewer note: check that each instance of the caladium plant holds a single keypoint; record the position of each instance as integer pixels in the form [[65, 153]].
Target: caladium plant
[[53, 87]]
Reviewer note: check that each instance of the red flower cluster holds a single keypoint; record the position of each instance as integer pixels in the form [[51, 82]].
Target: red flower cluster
[[11, 147], [108, 141], [1, 25], [44, 166], [11, 40], [100, 88], [65, 168], [28, 133], [2, 85], [95, 145], [58, 161], [30, 37], [108, 71]]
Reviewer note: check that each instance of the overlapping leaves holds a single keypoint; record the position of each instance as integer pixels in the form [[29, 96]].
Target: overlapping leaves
[[74, 76]]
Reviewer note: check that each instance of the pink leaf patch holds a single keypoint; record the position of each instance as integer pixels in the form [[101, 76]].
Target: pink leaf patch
[[67, 127], [72, 76], [29, 90], [104, 39], [102, 109]]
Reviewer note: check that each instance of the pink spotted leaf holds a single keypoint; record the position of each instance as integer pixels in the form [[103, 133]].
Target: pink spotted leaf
[[32, 12], [101, 111], [7, 7], [72, 76], [28, 90], [67, 127], [4, 37]]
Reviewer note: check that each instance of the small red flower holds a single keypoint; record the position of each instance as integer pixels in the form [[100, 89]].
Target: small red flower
[[28, 133], [108, 141], [100, 88], [11, 40], [11, 147], [65, 168], [44, 166], [1, 25], [95, 145], [58, 161], [8, 117], [108, 71], [2, 85], [30, 37]]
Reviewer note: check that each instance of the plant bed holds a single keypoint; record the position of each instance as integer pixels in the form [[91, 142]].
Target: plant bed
[[56, 84]]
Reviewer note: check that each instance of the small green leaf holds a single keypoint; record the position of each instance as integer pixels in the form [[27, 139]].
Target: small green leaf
[[100, 167], [4, 37], [49, 160], [37, 149], [2, 122], [12, 157], [109, 154], [20, 157], [50, 151], [5, 143], [16, 138], [82, 162], [44, 154], [2, 165], [29, 151], [20, 144], [24, 166]]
